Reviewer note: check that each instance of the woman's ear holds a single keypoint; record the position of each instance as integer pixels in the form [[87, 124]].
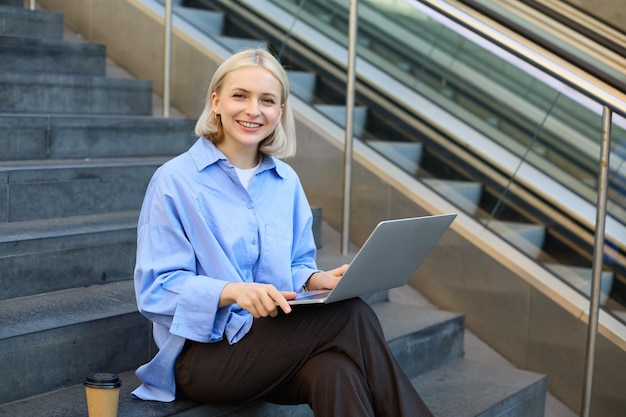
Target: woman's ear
[[215, 103]]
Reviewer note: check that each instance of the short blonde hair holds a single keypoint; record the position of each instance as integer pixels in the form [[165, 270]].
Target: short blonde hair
[[282, 142]]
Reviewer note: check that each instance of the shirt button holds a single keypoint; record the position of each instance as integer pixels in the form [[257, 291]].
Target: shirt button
[[249, 205], [254, 241]]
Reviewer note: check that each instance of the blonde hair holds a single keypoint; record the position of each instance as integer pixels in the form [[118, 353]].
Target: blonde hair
[[282, 142]]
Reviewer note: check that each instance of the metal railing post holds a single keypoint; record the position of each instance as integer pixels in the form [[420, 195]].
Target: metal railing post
[[598, 252], [347, 187], [167, 58]]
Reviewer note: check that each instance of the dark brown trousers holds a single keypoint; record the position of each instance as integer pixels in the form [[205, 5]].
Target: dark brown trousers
[[333, 357]]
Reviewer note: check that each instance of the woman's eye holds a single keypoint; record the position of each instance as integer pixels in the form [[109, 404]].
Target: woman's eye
[[238, 95], [268, 100]]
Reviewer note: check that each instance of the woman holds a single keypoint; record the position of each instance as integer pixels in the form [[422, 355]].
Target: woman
[[224, 241]]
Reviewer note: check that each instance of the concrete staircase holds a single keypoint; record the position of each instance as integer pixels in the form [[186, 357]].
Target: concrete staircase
[[78, 149]]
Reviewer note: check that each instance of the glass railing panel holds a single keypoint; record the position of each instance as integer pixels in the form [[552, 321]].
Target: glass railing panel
[[500, 98], [556, 130], [546, 125], [522, 111]]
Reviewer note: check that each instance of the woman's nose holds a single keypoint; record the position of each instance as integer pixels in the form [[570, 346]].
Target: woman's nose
[[252, 107]]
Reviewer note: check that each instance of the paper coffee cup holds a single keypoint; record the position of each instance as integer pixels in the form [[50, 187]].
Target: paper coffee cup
[[103, 394]]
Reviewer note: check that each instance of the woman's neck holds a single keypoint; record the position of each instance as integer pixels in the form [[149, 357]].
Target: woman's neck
[[242, 158]]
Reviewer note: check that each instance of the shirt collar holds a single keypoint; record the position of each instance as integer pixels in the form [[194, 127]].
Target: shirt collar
[[205, 153]]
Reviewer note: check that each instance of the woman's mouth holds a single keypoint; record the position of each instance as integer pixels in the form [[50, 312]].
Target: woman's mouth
[[249, 125]]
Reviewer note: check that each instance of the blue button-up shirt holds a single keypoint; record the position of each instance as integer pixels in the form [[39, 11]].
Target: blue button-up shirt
[[200, 229]]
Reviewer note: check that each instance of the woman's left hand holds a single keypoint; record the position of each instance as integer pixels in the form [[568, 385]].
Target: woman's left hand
[[326, 280]]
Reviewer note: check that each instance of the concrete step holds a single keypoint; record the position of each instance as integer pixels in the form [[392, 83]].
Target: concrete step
[[62, 188], [79, 94], [46, 255], [464, 194], [581, 279], [53, 56], [337, 113], [461, 388], [466, 388], [303, 84], [16, 21], [527, 237], [63, 334], [440, 341], [41, 256], [50, 341], [211, 23], [12, 3], [206, 21], [407, 155], [30, 137]]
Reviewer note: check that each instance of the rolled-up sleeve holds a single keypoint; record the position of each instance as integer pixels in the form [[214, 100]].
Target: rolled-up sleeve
[[169, 291]]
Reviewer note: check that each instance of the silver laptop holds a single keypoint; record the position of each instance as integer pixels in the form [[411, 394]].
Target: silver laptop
[[388, 258]]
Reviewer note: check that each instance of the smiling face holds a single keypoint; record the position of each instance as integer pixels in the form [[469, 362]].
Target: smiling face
[[249, 105]]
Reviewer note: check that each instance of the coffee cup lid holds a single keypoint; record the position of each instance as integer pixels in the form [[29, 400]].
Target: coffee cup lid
[[103, 380]]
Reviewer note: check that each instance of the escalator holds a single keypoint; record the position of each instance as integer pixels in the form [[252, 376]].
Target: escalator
[[524, 160]]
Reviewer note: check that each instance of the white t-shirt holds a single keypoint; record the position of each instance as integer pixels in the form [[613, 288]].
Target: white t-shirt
[[246, 175]]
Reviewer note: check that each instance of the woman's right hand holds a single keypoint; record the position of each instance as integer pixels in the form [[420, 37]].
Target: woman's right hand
[[261, 300]]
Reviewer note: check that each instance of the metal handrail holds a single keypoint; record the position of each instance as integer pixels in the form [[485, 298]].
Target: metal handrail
[[167, 58], [347, 188], [596, 277]]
